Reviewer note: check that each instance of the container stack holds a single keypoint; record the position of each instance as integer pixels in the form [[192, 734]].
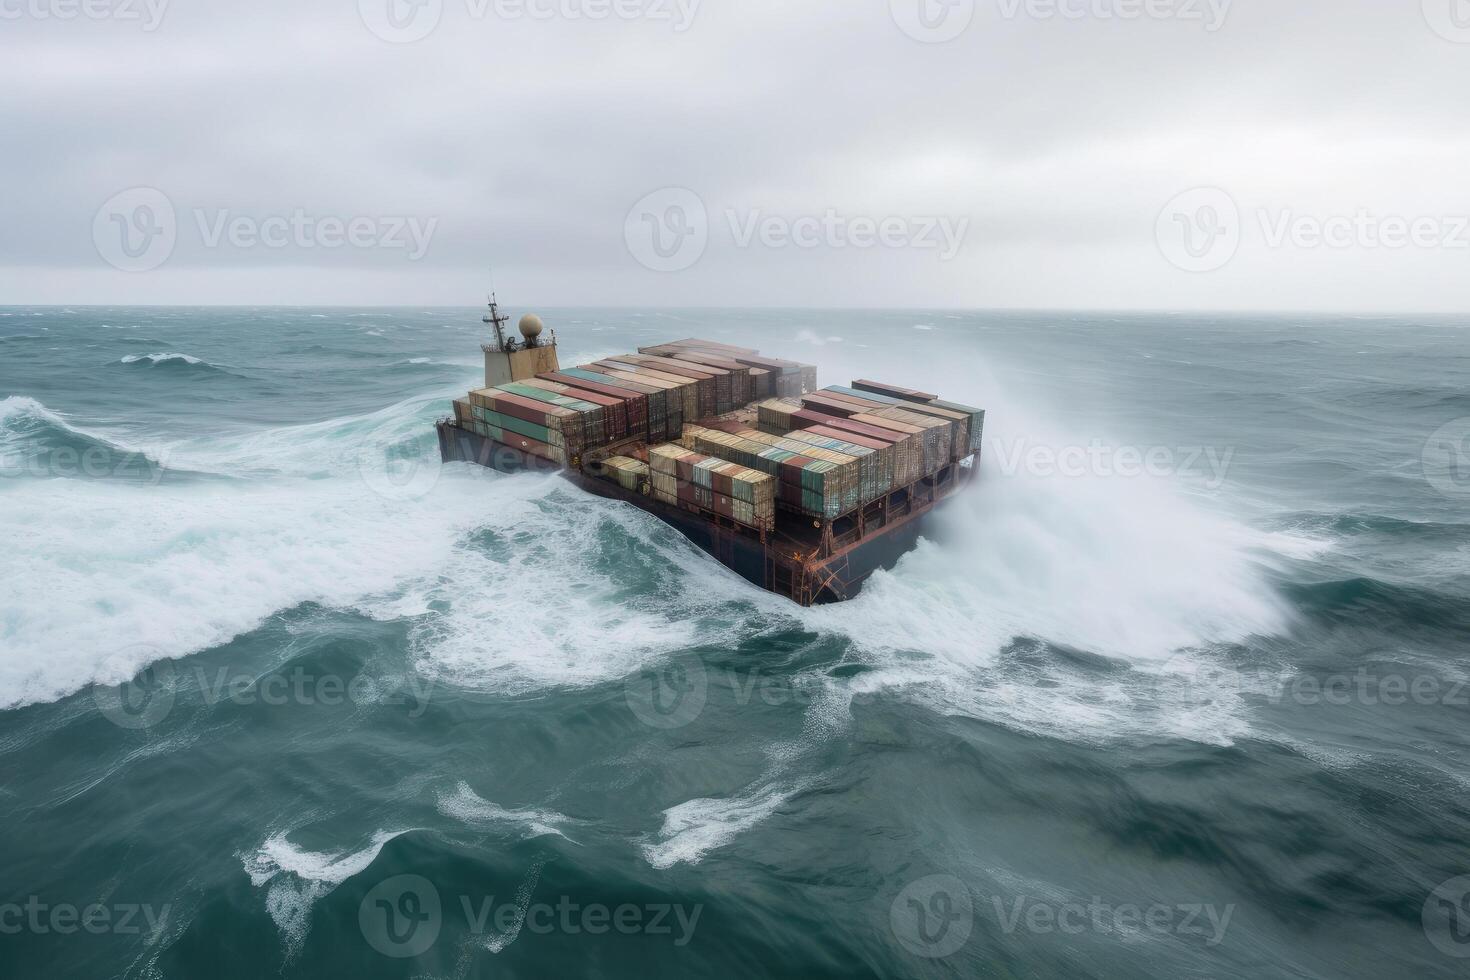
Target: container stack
[[636, 405], [904, 441], [968, 440], [696, 481], [742, 388], [814, 480], [958, 422], [554, 432], [786, 379], [679, 393], [777, 416], [875, 465], [615, 409], [705, 398], [600, 429], [628, 472]]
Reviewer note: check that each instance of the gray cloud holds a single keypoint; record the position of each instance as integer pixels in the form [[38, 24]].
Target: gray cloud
[[1059, 141]]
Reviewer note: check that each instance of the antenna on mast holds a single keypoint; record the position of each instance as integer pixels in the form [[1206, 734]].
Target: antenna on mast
[[498, 320]]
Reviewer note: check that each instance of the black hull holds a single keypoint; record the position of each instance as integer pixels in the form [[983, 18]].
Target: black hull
[[809, 569]]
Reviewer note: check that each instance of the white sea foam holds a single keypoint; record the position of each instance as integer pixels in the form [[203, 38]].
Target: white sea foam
[[98, 576], [160, 358], [468, 807], [550, 589], [690, 830], [1131, 569], [298, 878]]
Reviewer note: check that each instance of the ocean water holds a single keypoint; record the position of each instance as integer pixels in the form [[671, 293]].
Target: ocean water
[[1179, 690]]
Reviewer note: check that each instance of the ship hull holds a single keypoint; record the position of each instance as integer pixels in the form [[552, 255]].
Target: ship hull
[[803, 572]]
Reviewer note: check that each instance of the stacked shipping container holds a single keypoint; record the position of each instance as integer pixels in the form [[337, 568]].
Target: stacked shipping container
[[787, 379], [696, 481]]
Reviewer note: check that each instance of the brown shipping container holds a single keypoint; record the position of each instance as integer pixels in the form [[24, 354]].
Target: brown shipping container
[[667, 394], [689, 386], [610, 411], [714, 345], [893, 391], [740, 385], [834, 406], [635, 406], [569, 423], [714, 383]]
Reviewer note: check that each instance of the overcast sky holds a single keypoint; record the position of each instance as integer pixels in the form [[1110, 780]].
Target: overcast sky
[[1149, 154]]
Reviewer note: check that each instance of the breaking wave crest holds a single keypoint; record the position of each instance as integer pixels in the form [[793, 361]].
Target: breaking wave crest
[[297, 878], [37, 443]]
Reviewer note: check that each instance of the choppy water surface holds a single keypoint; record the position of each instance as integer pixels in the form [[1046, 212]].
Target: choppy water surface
[[1178, 691]]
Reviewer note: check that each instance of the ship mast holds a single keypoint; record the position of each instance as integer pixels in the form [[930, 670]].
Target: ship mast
[[499, 320]]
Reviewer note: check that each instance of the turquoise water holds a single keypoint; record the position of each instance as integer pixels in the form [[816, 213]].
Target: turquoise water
[[1177, 691]]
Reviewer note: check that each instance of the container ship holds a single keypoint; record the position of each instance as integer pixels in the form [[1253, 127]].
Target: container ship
[[805, 492]]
